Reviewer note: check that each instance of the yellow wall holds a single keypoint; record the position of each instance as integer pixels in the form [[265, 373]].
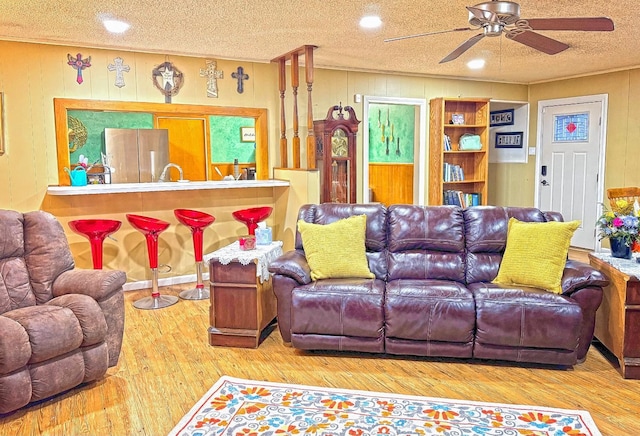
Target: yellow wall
[[622, 158], [42, 74]]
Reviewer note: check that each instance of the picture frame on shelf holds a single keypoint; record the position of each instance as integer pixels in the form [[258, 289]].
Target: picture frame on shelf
[[247, 134], [457, 119], [503, 117], [509, 139]]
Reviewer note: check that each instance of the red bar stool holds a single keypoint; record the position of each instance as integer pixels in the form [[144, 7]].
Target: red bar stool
[[95, 231], [151, 228], [252, 216], [197, 221]]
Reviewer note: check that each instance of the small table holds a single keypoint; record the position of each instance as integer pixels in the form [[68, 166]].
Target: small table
[[243, 304], [618, 317]]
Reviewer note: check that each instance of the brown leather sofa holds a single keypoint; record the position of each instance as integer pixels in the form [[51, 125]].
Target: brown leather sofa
[[60, 327], [432, 293]]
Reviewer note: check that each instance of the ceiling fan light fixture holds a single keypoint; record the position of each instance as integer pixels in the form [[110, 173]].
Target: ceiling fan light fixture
[[115, 26], [370, 22], [475, 64]]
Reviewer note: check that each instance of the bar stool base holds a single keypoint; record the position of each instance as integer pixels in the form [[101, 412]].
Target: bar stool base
[[195, 294], [148, 303]]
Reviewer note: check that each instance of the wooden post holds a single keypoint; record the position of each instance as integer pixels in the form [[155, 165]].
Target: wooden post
[[282, 85], [295, 82], [311, 140]]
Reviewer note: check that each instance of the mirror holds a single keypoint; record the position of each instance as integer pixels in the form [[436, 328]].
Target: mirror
[[162, 113]]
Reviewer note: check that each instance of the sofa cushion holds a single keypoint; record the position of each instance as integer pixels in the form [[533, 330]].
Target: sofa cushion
[[535, 254], [522, 317], [426, 243], [339, 307], [53, 331], [336, 250], [429, 310]]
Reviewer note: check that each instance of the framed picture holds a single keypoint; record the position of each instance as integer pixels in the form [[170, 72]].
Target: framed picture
[[501, 118], [247, 134], [509, 139], [1, 123], [457, 119]]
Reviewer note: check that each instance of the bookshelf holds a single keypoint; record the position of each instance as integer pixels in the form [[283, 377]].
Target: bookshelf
[[466, 170]]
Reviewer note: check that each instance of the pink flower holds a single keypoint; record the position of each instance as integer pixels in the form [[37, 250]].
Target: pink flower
[[617, 222]]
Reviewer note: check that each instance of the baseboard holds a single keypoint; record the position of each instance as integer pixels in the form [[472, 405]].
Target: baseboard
[[168, 281]]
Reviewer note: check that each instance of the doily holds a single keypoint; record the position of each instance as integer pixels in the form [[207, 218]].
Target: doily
[[628, 266], [264, 254]]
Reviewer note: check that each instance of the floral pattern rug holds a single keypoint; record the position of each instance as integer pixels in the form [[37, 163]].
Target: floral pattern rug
[[238, 407]]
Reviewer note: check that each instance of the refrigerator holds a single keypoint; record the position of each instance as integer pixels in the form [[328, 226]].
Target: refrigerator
[[136, 155]]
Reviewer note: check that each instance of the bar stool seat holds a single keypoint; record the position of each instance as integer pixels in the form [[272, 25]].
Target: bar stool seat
[[252, 216], [95, 230], [151, 228], [197, 221]]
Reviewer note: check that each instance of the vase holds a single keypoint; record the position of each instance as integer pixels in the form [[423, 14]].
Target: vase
[[619, 248]]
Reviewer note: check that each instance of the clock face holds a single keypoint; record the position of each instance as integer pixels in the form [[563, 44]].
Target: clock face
[[339, 143]]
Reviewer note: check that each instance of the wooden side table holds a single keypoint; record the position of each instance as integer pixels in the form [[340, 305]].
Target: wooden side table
[[618, 317], [243, 305]]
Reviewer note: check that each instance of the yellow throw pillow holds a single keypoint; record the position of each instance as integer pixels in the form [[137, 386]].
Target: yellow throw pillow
[[535, 254], [336, 250]]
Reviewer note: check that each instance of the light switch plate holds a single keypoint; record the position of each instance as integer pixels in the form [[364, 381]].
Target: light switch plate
[[532, 151]]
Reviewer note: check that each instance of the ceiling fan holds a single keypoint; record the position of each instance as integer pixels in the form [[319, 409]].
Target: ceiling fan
[[499, 16]]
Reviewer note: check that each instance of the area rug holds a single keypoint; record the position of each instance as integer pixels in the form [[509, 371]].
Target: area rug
[[245, 407]]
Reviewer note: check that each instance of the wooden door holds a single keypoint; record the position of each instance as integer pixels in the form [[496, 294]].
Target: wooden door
[[187, 145]]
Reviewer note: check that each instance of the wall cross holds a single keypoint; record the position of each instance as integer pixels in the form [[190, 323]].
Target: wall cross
[[240, 76]]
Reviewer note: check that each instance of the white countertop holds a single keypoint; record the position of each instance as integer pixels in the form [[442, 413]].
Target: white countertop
[[127, 188]]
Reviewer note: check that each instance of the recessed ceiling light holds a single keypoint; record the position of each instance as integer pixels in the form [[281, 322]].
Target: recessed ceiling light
[[116, 26], [476, 64], [370, 22]]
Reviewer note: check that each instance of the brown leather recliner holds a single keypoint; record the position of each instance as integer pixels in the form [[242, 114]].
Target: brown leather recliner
[[59, 326], [432, 294]]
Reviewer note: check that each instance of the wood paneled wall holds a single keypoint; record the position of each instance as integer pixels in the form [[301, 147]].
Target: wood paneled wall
[[391, 183]]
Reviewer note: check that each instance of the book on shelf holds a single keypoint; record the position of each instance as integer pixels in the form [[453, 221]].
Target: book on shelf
[[447, 143], [452, 173], [462, 199]]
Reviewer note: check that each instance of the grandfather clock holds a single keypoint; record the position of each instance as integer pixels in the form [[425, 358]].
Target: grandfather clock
[[336, 154]]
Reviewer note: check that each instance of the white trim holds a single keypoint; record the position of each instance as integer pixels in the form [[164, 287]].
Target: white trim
[[420, 160], [603, 99], [168, 281]]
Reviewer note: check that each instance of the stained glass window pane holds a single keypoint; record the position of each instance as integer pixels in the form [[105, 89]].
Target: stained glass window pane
[[571, 128]]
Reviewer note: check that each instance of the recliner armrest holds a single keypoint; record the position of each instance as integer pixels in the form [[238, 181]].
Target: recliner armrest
[[292, 264], [98, 284], [578, 275]]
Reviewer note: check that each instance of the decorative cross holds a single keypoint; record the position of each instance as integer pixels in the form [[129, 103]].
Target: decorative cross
[[212, 75], [240, 76], [78, 64], [172, 80], [119, 67]]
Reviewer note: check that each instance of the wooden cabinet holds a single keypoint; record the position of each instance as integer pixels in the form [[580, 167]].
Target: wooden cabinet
[[336, 155], [455, 173], [242, 308], [618, 317]]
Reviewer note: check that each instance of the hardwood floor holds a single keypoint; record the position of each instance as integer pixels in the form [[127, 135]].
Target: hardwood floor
[[166, 365]]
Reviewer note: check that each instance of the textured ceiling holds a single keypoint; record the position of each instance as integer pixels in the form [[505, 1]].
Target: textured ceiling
[[260, 30]]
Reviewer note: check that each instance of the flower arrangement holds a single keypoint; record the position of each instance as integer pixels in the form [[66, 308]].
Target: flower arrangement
[[621, 223]]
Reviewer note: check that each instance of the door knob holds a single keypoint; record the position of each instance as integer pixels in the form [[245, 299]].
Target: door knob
[[545, 183]]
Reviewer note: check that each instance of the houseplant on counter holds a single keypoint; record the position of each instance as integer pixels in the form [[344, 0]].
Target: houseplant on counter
[[620, 226]]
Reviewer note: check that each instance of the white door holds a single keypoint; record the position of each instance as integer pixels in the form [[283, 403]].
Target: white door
[[571, 139]]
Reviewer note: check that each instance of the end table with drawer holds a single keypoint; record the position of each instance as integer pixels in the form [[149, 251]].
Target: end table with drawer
[[618, 317], [243, 305]]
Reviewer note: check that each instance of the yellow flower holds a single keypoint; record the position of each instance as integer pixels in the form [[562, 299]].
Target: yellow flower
[[609, 214], [622, 203]]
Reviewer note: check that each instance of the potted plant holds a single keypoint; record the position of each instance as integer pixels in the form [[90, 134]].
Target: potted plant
[[620, 226]]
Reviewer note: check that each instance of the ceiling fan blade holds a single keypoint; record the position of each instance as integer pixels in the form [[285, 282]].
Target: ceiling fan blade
[[398, 38], [588, 24], [462, 48], [538, 41]]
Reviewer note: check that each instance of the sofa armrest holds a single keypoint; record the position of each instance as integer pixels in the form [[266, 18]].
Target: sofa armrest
[[98, 284], [579, 275], [292, 264]]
